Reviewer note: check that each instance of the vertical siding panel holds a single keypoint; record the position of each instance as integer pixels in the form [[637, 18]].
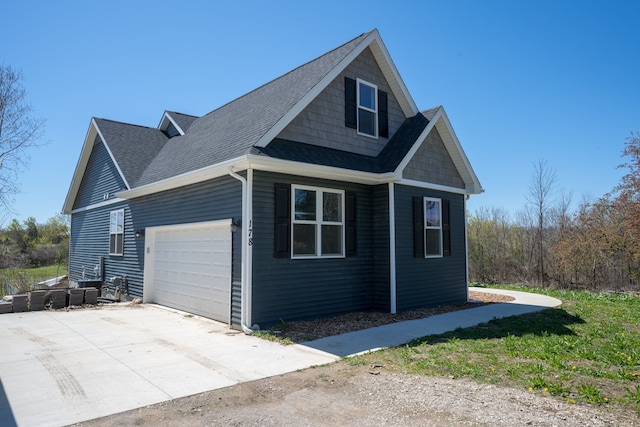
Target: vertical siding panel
[[381, 256]]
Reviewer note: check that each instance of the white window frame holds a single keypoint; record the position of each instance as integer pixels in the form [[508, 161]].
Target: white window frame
[[362, 107], [115, 232], [431, 227], [318, 222]]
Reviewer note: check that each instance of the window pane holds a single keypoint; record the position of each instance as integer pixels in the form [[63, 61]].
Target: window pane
[[120, 225], [331, 207], [305, 208], [432, 213], [304, 239], [112, 243], [366, 122], [113, 221], [433, 242], [367, 96], [119, 244], [331, 240]]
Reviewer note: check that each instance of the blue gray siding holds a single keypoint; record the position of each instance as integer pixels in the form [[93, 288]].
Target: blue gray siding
[[212, 200], [380, 217], [101, 178], [433, 281], [287, 289]]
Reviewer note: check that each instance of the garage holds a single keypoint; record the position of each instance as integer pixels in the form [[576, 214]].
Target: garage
[[188, 267]]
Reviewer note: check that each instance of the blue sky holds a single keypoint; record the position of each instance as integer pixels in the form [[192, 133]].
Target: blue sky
[[521, 81]]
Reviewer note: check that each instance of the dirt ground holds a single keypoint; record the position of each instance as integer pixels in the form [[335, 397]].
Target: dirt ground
[[340, 394]]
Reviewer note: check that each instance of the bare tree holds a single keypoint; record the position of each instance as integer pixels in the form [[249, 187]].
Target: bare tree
[[539, 198], [19, 131]]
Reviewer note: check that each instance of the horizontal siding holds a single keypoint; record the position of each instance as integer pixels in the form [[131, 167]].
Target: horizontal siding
[[434, 281], [380, 212], [288, 289], [209, 201], [100, 177]]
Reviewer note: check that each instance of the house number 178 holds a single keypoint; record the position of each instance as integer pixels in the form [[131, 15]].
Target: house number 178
[[250, 234]]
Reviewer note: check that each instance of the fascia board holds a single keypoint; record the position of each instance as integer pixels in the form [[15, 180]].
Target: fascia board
[[81, 166], [391, 73], [166, 116], [318, 171], [113, 159], [431, 186], [416, 145], [459, 157], [193, 177], [259, 163]]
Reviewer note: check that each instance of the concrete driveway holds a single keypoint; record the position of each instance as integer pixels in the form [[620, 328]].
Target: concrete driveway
[[63, 367]]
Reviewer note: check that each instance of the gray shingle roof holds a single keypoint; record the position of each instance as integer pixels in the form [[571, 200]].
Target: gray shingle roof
[[132, 146], [183, 120], [232, 130]]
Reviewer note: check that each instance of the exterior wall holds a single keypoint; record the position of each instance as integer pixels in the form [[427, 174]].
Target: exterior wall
[[432, 163], [208, 201], [429, 281], [322, 122], [101, 177], [288, 289], [381, 280]]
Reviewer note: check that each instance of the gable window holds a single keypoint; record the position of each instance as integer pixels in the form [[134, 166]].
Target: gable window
[[116, 232], [366, 108], [318, 222], [432, 230]]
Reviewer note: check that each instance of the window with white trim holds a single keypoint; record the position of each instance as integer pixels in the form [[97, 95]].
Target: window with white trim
[[116, 232], [432, 227], [367, 108], [317, 222]]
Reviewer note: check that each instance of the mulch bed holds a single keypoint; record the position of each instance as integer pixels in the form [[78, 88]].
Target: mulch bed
[[308, 330]]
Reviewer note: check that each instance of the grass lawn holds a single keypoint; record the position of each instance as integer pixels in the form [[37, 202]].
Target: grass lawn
[[586, 351], [24, 278]]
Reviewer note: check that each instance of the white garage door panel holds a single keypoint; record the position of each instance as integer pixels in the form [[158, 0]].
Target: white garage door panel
[[192, 269]]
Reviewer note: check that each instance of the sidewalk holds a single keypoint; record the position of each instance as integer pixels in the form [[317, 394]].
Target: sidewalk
[[353, 343]]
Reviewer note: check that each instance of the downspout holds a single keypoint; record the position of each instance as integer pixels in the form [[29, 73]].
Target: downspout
[[245, 265], [466, 241], [392, 248]]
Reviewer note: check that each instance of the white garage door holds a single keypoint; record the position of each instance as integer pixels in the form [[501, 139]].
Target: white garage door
[[188, 267]]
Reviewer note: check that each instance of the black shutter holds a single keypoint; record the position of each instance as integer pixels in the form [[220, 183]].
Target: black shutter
[[282, 233], [350, 224], [446, 229], [383, 115], [418, 227], [350, 103]]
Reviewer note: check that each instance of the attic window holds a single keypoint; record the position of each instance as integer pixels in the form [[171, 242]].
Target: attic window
[[171, 131], [367, 108]]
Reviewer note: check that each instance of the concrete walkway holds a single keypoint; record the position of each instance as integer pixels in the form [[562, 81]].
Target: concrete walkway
[[63, 367], [353, 343]]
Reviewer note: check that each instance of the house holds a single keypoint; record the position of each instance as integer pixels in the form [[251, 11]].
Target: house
[[321, 192]]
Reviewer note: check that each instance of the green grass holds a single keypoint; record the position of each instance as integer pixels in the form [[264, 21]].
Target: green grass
[[588, 350], [25, 278]]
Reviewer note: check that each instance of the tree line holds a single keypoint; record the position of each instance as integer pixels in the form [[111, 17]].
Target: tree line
[[29, 244], [595, 246]]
